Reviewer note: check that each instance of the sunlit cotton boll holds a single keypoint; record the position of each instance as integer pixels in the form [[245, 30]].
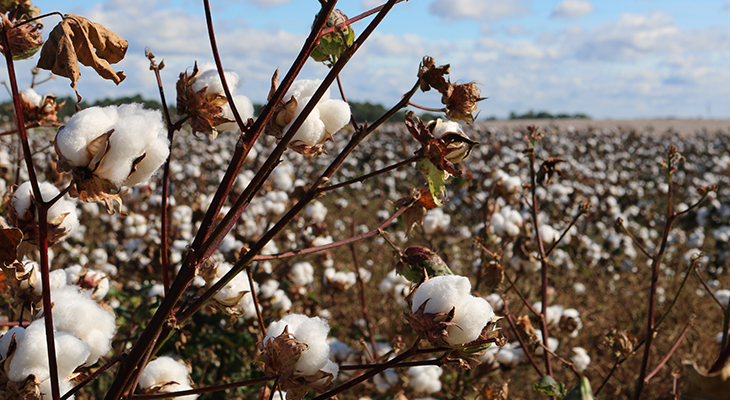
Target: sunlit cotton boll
[[63, 212], [443, 293], [328, 117], [302, 273], [506, 223], [580, 359], [425, 378], [74, 311], [313, 332], [723, 296], [230, 294], [397, 286], [164, 370], [137, 132], [316, 211]]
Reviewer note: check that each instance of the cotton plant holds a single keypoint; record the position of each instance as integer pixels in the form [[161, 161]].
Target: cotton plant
[[327, 117], [62, 217], [235, 298], [165, 375], [295, 350], [201, 97], [443, 311], [107, 148]]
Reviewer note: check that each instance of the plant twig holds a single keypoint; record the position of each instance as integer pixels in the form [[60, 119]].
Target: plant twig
[[207, 389], [620, 224], [670, 352], [370, 175], [528, 353]]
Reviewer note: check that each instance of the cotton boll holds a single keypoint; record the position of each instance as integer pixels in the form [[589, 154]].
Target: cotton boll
[[302, 273], [85, 126], [549, 235], [163, 370], [334, 113], [245, 111], [302, 88], [425, 378], [23, 197], [447, 126], [470, 317], [580, 359], [384, 380], [723, 296], [74, 311], [312, 331], [211, 79], [316, 211]]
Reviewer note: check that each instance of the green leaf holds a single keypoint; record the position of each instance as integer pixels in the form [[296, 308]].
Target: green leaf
[[581, 391], [436, 180], [332, 45], [549, 386]]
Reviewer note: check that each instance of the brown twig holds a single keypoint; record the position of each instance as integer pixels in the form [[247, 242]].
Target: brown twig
[[528, 353], [670, 353], [370, 175], [620, 224], [207, 389]]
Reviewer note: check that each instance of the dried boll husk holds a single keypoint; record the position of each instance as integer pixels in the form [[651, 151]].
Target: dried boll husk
[[62, 216]]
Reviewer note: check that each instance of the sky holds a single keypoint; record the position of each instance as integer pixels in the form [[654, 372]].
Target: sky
[[618, 59]]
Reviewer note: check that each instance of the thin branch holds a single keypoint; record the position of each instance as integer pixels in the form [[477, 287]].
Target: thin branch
[[620, 224], [519, 293], [670, 353], [207, 389], [355, 19], [370, 175], [89, 378], [707, 288], [565, 232], [424, 108], [561, 359], [528, 353]]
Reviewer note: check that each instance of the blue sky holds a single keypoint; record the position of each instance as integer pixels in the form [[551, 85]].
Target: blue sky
[[609, 59]]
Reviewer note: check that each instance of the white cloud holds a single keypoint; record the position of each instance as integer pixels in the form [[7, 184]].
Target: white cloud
[[572, 9], [480, 10], [269, 3]]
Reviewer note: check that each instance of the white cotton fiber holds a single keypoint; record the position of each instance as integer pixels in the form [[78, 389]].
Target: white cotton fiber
[[32, 96], [580, 359], [316, 211], [233, 289], [74, 311], [245, 110], [312, 130], [135, 130], [31, 357], [210, 78], [312, 331], [425, 378], [155, 155], [443, 292], [71, 219], [85, 126], [447, 126], [56, 280], [334, 113], [22, 197], [163, 370], [305, 88], [302, 273], [470, 316], [19, 333], [22, 201]]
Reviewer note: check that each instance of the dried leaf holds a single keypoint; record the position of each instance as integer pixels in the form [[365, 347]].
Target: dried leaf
[[10, 239], [76, 39]]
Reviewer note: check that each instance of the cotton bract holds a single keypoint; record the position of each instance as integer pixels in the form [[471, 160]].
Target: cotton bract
[[62, 216]]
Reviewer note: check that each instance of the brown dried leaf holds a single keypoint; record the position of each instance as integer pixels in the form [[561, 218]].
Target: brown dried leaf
[[432, 76], [24, 7], [10, 239], [76, 39], [703, 386]]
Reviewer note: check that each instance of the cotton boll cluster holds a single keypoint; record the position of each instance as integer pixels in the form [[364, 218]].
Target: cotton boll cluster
[[111, 142], [62, 217], [168, 374], [305, 337], [436, 221], [276, 202], [235, 297], [580, 359], [276, 297], [31, 357], [328, 117], [135, 225], [397, 286], [506, 223], [75, 276], [505, 184], [568, 319], [442, 294], [425, 378], [510, 355], [315, 211]]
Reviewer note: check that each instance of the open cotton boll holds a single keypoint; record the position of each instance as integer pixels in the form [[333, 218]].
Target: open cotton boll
[[163, 370], [302, 273], [549, 235], [155, 155], [85, 126], [316, 211], [31, 357], [74, 311], [580, 359], [210, 79], [245, 110], [334, 113], [313, 332], [22, 197], [425, 378], [723, 296]]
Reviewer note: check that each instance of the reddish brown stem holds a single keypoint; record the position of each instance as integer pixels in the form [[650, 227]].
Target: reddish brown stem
[[424, 108], [528, 353], [370, 175], [208, 389], [363, 298], [669, 354], [356, 18]]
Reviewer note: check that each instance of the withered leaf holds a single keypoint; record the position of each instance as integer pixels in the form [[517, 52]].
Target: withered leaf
[[705, 386], [10, 239], [76, 39]]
